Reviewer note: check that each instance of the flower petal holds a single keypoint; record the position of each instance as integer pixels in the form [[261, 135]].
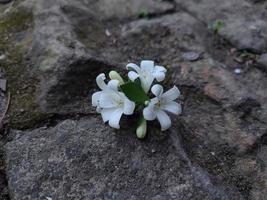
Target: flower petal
[[132, 75], [134, 67], [160, 69], [149, 112], [146, 82], [157, 90], [164, 120], [128, 107], [113, 84], [100, 81], [147, 65], [108, 100], [115, 118], [106, 113], [171, 94], [160, 76], [96, 98], [159, 73], [172, 107]]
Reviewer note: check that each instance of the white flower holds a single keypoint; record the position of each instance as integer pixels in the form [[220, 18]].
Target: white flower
[[147, 72], [161, 103], [110, 102]]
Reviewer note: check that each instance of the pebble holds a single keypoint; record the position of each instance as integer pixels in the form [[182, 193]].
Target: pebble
[[2, 57], [191, 56], [237, 71], [107, 32]]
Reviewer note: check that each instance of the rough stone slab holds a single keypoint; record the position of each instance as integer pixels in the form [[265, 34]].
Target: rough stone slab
[[244, 22], [85, 159], [58, 53], [234, 106], [262, 60]]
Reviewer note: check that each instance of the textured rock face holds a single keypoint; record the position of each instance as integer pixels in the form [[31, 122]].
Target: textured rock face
[[86, 160], [216, 148], [244, 24], [70, 39]]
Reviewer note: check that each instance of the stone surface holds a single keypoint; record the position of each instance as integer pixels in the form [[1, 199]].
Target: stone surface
[[242, 31], [217, 147], [84, 159], [262, 60], [63, 51]]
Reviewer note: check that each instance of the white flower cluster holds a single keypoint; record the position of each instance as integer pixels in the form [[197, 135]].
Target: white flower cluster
[[119, 97]]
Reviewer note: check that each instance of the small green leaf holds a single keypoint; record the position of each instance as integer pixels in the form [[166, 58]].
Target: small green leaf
[[218, 26], [134, 92], [144, 13]]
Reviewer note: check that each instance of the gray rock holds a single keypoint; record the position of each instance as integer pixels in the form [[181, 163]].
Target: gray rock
[[244, 33], [191, 56], [262, 60], [63, 54], [85, 159], [221, 86], [222, 128]]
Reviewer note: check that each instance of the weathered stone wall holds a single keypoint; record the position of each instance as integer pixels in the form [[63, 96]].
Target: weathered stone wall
[[58, 147]]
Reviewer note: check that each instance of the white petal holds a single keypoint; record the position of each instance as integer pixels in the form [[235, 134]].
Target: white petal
[[147, 65], [134, 67], [171, 94], [146, 82], [128, 107], [160, 76], [96, 98], [160, 69], [157, 90], [115, 118], [108, 100], [132, 75], [164, 120], [172, 107], [159, 73], [100, 81], [149, 112], [113, 84], [106, 113]]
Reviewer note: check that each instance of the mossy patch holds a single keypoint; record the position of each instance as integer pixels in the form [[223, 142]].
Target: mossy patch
[[15, 40]]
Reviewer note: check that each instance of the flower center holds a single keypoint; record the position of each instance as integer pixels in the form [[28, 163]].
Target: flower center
[[158, 104], [119, 103]]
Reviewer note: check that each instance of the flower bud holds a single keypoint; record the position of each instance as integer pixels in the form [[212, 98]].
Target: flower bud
[[141, 129], [146, 103], [113, 75]]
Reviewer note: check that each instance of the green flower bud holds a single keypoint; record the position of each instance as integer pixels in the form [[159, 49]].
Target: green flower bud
[[141, 129], [113, 75], [147, 102]]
